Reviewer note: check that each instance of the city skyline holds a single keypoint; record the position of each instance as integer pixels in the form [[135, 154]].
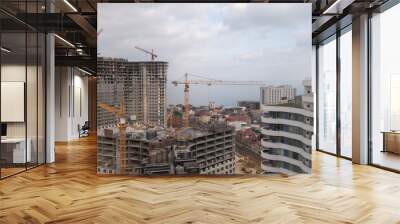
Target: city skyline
[[210, 41]]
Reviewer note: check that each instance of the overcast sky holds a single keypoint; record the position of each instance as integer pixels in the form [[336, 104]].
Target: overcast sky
[[255, 42]]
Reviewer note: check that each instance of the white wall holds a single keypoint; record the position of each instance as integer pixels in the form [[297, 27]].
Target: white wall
[[17, 73], [33, 125], [61, 103], [79, 115], [71, 102]]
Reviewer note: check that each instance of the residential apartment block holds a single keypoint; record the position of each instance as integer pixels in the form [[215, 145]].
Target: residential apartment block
[[287, 130]]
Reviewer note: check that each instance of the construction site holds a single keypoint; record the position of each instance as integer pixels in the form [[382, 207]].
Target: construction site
[[157, 151], [133, 137]]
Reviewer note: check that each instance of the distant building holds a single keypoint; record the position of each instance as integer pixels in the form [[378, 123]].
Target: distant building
[[233, 110], [212, 105], [272, 95], [141, 84], [250, 105], [175, 119], [248, 135], [238, 117], [255, 116], [287, 130], [205, 118], [238, 125]]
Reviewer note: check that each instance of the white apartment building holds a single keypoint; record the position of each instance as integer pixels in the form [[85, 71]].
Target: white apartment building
[[272, 95]]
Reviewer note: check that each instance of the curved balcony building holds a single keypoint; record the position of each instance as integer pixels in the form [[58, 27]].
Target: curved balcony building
[[287, 131]]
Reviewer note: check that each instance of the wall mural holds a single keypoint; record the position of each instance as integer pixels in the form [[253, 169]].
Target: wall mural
[[204, 89]]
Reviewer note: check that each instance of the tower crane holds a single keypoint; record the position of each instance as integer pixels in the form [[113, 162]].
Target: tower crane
[[98, 34], [100, 31], [207, 82], [119, 113], [151, 53]]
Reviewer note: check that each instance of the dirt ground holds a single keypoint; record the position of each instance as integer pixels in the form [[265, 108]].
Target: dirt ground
[[246, 165]]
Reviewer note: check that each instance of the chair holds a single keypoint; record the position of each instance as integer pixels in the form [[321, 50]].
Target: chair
[[84, 130]]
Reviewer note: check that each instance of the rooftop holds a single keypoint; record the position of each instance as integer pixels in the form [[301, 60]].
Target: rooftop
[[126, 60], [191, 133], [296, 103]]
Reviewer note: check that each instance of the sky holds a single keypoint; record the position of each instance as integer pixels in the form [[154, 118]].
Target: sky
[[270, 43]]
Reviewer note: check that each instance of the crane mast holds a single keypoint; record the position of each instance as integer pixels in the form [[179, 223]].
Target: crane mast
[[186, 103], [119, 113]]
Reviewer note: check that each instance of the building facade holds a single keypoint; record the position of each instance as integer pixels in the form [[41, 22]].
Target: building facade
[[142, 86], [272, 95], [211, 148], [208, 150], [287, 131]]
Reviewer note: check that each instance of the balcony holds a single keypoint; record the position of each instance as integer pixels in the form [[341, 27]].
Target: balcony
[[304, 125], [288, 160], [287, 109], [308, 98], [272, 169], [277, 145], [269, 166], [285, 134]]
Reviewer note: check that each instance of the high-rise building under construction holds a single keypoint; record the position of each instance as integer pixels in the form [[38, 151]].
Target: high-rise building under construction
[[142, 86]]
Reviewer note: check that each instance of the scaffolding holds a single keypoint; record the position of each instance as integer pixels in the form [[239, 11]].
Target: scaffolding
[[143, 86]]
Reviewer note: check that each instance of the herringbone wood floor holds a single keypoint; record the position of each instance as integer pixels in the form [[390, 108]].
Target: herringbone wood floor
[[69, 191]]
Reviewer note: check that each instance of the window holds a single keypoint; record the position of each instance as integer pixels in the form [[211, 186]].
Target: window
[[346, 93], [327, 95], [22, 66], [385, 89]]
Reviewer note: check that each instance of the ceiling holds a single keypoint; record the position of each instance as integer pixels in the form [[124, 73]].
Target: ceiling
[[76, 21]]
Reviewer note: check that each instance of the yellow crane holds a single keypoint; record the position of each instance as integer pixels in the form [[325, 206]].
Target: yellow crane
[[151, 53], [186, 82], [119, 113]]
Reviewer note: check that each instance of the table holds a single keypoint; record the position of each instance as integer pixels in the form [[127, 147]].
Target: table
[[391, 141], [13, 150]]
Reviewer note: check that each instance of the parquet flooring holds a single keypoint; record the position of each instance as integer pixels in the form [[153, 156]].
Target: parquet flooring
[[70, 191], [10, 171]]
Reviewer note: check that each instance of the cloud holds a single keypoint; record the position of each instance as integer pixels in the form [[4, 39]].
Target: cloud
[[250, 56], [226, 41]]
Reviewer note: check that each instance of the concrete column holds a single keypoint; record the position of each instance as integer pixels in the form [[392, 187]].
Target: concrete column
[[360, 90], [50, 98], [92, 100], [50, 91]]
